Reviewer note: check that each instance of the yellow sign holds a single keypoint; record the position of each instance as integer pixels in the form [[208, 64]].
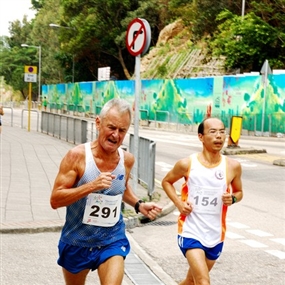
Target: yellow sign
[[236, 127], [31, 69]]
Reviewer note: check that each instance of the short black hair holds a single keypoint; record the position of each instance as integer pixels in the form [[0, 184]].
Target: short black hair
[[202, 124], [201, 127]]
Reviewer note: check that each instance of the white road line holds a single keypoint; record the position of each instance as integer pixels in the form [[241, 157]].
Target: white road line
[[278, 253], [253, 243], [248, 165], [238, 225], [232, 235], [163, 164], [279, 240], [165, 167], [177, 142], [245, 162], [241, 159], [259, 233]]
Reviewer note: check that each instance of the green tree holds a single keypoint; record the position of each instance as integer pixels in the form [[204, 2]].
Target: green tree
[[53, 69], [246, 43], [200, 15], [13, 58], [100, 34], [36, 32]]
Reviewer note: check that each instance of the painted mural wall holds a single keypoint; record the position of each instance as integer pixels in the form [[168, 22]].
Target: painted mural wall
[[185, 101]]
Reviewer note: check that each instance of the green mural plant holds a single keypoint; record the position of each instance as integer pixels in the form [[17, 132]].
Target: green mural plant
[[187, 101]]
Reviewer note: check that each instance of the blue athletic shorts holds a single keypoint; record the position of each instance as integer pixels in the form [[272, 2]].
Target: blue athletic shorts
[[211, 253], [75, 258]]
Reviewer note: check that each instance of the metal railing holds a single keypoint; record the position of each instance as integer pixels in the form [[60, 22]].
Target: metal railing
[[274, 125], [162, 112], [12, 117], [22, 117], [69, 128], [146, 162]]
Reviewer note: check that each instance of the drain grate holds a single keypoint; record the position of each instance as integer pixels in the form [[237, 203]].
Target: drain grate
[[162, 223]]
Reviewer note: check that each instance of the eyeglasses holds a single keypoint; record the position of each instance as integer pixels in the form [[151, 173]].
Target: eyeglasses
[[216, 132]]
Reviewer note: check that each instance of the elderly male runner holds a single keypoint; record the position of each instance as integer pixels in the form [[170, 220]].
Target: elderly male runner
[[91, 183]]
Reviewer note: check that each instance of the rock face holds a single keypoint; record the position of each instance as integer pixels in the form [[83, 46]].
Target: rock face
[[175, 56], [169, 32]]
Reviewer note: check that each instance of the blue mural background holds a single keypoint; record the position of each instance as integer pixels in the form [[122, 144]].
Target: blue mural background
[[185, 101]]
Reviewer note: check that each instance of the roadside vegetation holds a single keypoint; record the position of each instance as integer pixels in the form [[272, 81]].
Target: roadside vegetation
[[92, 35]]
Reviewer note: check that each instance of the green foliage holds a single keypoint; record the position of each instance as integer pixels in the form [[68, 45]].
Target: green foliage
[[246, 43], [200, 16], [38, 4], [13, 68], [101, 31], [93, 33], [162, 70]]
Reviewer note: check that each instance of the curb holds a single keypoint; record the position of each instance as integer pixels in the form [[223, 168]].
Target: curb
[[238, 150], [56, 225], [279, 162]]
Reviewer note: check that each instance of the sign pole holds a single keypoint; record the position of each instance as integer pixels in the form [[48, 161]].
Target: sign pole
[[29, 106], [265, 71], [264, 95], [30, 76], [137, 42], [136, 121]]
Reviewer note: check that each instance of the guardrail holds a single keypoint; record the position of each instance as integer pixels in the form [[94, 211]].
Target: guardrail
[[146, 162], [12, 117], [162, 112], [22, 117], [71, 129]]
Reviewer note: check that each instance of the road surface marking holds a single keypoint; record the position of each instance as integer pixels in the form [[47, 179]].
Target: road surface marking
[[278, 253], [259, 233], [238, 225], [279, 240], [233, 235], [245, 162], [165, 167], [253, 243]]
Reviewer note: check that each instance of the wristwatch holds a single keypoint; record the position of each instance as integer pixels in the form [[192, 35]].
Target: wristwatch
[[234, 199], [137, 205]]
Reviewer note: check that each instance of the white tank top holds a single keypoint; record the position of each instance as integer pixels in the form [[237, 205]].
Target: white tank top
[[204, 189]]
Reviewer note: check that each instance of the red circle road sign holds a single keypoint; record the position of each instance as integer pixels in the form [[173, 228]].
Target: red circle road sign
[[136, 37]]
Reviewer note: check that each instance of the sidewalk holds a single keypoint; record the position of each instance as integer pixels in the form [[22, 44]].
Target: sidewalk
[[29, 164]]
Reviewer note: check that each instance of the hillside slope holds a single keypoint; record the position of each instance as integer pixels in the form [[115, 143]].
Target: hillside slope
[[175, 56]]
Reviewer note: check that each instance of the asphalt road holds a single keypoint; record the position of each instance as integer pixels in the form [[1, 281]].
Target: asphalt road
[[254, 251]]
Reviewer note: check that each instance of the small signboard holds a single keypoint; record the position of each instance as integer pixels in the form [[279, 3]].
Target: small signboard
[[30, 73], [30, 77], [104, 73], [31, 69], [236, 128]]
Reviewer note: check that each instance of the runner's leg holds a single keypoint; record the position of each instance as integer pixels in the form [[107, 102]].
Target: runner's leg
[[75, 279], [200, 267], [111, 272]]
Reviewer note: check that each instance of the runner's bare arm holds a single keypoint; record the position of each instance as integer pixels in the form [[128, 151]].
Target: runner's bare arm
[[70, 171], [149, 209], [180, 170], [235, 182]]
